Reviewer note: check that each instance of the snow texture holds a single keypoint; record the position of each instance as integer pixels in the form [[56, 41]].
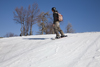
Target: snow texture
[[76, 50]]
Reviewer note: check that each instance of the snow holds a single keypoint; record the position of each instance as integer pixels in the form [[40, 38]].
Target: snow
[[76, 50]]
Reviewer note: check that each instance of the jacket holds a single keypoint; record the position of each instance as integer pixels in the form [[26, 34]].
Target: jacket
[[55, 17]]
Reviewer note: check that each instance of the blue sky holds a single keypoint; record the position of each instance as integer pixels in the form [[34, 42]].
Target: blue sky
[[84, 15]]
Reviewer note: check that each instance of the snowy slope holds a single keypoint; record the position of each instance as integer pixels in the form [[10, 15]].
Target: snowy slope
[[76, 50]]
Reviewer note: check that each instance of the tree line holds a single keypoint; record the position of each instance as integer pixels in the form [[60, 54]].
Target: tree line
[[28, 17], [32, 15]]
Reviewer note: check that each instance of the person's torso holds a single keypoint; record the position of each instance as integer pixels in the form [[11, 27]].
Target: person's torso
[[55, 16]]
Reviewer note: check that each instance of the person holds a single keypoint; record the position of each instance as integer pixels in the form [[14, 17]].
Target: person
[[56, 24]]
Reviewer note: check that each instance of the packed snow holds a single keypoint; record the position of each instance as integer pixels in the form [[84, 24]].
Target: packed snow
[[76, 50]]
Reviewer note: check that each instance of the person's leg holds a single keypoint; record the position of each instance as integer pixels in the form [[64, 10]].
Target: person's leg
[[59, 29], [56, 30], [61, 32]]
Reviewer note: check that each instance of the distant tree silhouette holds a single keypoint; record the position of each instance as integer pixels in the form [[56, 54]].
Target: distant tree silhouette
[[10, 35], [1, 37], [69, 28]]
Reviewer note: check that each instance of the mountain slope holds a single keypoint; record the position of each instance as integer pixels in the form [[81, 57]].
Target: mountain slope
[[76, 50]]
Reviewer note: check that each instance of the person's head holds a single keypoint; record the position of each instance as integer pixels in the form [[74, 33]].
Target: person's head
[[53, 9]]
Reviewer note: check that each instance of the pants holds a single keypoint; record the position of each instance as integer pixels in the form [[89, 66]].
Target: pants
[[57, 29]]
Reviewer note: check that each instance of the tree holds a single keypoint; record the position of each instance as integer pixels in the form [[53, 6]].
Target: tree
[[33, 15], [69, 28], [19, 17], [10, 35], [49, 28], [27, 18], [45, 23]]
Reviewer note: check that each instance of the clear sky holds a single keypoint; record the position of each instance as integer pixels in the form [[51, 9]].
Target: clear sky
[[84, 15]]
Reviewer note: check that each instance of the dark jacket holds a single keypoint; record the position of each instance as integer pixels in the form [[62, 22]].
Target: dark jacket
[[55, 17]]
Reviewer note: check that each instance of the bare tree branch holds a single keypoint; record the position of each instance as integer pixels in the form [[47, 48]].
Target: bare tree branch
[[69, 28]]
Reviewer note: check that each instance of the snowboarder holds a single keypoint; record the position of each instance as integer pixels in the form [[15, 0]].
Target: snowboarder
[[56, 24]]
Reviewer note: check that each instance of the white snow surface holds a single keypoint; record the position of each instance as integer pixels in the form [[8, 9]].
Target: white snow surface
[[76, 50]]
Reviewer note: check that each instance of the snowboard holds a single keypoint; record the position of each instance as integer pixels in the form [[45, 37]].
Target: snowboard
[[58, 38]]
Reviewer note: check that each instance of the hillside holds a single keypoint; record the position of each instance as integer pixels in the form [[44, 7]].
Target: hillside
[[76, 50]]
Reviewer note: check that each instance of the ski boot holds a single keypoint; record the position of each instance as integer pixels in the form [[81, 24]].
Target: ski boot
[[63, 36], [57, 37]]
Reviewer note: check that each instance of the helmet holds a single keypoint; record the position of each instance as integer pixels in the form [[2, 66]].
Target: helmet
[[53, 8]]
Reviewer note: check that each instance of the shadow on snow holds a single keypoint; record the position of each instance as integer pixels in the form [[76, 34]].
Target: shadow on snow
[[35, 38]]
